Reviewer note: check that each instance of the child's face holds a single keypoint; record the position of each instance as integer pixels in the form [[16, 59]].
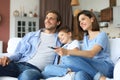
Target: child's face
[[65, 37]]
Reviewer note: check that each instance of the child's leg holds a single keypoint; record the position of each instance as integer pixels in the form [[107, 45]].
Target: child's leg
[[54, 71]]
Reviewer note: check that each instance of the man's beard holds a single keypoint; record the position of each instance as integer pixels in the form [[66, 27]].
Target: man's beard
[[51, 28]]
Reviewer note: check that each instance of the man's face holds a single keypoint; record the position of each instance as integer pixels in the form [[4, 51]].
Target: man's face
[[51, 21]]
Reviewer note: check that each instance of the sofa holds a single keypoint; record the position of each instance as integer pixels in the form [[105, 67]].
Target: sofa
[[115, 54]]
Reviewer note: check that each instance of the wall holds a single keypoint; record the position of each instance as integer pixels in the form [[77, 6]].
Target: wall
[[23, 6], [4, 24], [97, 5], [7, 8]]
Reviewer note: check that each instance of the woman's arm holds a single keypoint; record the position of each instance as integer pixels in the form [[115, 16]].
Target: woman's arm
[[85, 53]]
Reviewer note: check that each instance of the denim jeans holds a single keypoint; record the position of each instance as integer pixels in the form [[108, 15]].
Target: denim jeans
[[93, 69], [62, 68], [82, 75], [22, 70], [54, 71], [84, 67]]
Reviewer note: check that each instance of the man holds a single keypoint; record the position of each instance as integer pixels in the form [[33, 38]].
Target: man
[[32, 53]]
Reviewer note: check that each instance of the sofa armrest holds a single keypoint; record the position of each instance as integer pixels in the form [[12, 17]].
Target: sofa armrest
[[114, 49], [5, 54], [117, 70], [12, 44]]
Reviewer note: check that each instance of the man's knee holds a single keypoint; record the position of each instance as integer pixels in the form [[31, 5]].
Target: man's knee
[[9, 70], [30, 74]]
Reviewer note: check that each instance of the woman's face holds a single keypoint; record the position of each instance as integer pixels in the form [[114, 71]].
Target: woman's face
[[85, 22], [64, 37]]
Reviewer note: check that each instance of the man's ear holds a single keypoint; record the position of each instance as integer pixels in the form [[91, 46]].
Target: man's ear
[[58, 23]]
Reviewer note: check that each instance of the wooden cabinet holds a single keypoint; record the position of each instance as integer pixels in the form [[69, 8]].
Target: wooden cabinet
[[25, 25], [112, 3], [107, 14]]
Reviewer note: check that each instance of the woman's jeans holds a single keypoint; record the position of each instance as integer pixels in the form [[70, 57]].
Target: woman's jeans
[[93, 69], [22, 70], [88, 67]]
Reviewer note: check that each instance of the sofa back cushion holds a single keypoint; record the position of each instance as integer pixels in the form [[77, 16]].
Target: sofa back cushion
[[12, 44], [115, 49]]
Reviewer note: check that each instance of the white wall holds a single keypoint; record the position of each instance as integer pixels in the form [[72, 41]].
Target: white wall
[[97, 5], [24, 6]]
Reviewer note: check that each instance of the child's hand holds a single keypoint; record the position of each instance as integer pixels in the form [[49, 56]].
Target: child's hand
[[61, 51]]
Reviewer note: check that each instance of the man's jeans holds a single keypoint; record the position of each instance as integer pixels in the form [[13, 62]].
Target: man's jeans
[[22, 70]]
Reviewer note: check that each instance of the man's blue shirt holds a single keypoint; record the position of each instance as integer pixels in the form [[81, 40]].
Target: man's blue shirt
[[27, 47]]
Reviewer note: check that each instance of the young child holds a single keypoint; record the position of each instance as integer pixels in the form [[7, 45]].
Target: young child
[[66, 63]]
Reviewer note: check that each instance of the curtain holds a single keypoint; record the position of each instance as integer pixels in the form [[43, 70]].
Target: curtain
[[62, 6]]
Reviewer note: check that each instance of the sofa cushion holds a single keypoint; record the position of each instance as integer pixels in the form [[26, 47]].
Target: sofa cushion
[[116, 70], [12, 44], [115, 49]]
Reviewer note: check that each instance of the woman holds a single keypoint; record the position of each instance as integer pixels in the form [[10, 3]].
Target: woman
[[95, 60]]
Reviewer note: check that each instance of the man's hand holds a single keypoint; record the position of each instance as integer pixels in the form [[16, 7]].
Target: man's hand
[[4, 61]]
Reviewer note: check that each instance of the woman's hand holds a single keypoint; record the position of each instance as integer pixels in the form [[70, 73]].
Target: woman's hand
[[4, 61], [61, 51]]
